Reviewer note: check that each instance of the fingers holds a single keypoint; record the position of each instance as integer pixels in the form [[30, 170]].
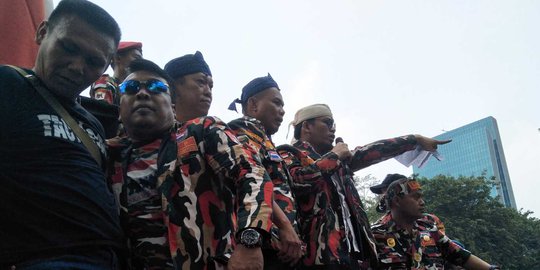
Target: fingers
[[443, 141], [275, 245], [429, 144], [290, 253]]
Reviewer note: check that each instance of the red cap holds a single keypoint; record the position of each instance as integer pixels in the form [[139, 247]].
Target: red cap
[[128, 45]]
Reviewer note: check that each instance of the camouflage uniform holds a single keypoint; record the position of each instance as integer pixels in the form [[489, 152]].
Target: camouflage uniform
[[426, 216], [320, 209], [134, 182], [211, 187], [251, 132], [426, 247]]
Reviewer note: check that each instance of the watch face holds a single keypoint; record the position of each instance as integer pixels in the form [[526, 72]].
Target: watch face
[[250, 238]]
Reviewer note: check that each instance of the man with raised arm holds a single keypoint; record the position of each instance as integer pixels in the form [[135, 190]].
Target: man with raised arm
[[331, 214]]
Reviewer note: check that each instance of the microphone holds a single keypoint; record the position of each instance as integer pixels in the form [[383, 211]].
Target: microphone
[[339, 140]]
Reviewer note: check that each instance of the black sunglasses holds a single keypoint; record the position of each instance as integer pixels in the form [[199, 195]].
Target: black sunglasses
[[154, 86]]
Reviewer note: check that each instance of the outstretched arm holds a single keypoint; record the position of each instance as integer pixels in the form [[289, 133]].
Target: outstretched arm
[[429, 144], [475, 263]]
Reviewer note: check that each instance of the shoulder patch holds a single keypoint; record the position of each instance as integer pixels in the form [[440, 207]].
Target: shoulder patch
[[186, 146]]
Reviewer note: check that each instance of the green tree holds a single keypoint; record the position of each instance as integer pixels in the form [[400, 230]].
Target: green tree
[[488, 229], [369, 198]]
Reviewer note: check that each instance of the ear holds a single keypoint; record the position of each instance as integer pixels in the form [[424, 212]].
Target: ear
[[41, 32], [115, 59], [396, 201], [306, 127], [252, 105]]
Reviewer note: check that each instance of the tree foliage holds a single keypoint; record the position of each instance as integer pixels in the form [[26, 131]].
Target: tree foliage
[[369, 198]]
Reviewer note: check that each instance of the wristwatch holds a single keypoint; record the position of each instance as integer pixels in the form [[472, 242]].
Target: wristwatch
[[250, 238]]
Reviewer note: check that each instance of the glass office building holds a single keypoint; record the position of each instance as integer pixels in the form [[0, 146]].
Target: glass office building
[[475, 148]]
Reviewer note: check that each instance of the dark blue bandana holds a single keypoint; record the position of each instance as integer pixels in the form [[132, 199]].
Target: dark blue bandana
[[256, 85], [187, 64]]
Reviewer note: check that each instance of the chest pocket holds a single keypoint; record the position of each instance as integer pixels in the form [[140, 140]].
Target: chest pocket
[[429, 246]]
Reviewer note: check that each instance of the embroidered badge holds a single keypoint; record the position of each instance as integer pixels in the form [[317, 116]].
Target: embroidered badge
[[427, 241], [186, 146], [274, 156], [413, 185], [391, 242]]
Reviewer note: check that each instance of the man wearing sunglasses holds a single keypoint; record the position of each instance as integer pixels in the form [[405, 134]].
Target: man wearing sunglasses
[[262, 106], [57, 210], [331, 214], [148, 117], [218, 193]]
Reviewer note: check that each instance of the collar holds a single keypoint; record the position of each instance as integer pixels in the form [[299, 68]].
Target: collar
[[306, 146]]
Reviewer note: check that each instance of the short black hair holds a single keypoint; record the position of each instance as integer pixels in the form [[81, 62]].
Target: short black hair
[[89, 12], [298, 128], [149, 66]]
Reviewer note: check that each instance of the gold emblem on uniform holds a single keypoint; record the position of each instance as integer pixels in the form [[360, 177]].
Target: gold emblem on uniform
[[417, 257], [391, 242], [426, 238]]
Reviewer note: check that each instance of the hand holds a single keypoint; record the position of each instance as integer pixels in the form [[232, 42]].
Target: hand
[[429, 144], [342, 151], [290, 246], [244, 258]]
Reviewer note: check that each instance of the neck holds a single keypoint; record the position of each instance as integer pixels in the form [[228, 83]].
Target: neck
[[321, 149], [144, 135], [183, 114], [403, 221]]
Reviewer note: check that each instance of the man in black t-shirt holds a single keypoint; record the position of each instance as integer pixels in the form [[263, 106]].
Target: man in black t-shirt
[[57, 210]]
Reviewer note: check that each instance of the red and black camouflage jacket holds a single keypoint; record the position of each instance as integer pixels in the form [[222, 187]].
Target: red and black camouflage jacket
[[320, 212], [425, 247], [251, 132], [212, 187]]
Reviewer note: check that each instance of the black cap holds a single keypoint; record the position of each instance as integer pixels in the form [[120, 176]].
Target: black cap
[[187, 64], [255, 86], [381, 188]]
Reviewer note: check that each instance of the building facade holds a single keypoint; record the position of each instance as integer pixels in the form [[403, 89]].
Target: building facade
[[475, 149]]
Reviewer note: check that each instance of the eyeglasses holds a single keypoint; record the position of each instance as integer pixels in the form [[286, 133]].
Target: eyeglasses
[[154, 86], [329, 122]]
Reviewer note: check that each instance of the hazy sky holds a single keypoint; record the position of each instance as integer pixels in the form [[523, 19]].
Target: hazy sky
[[386, 68]]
